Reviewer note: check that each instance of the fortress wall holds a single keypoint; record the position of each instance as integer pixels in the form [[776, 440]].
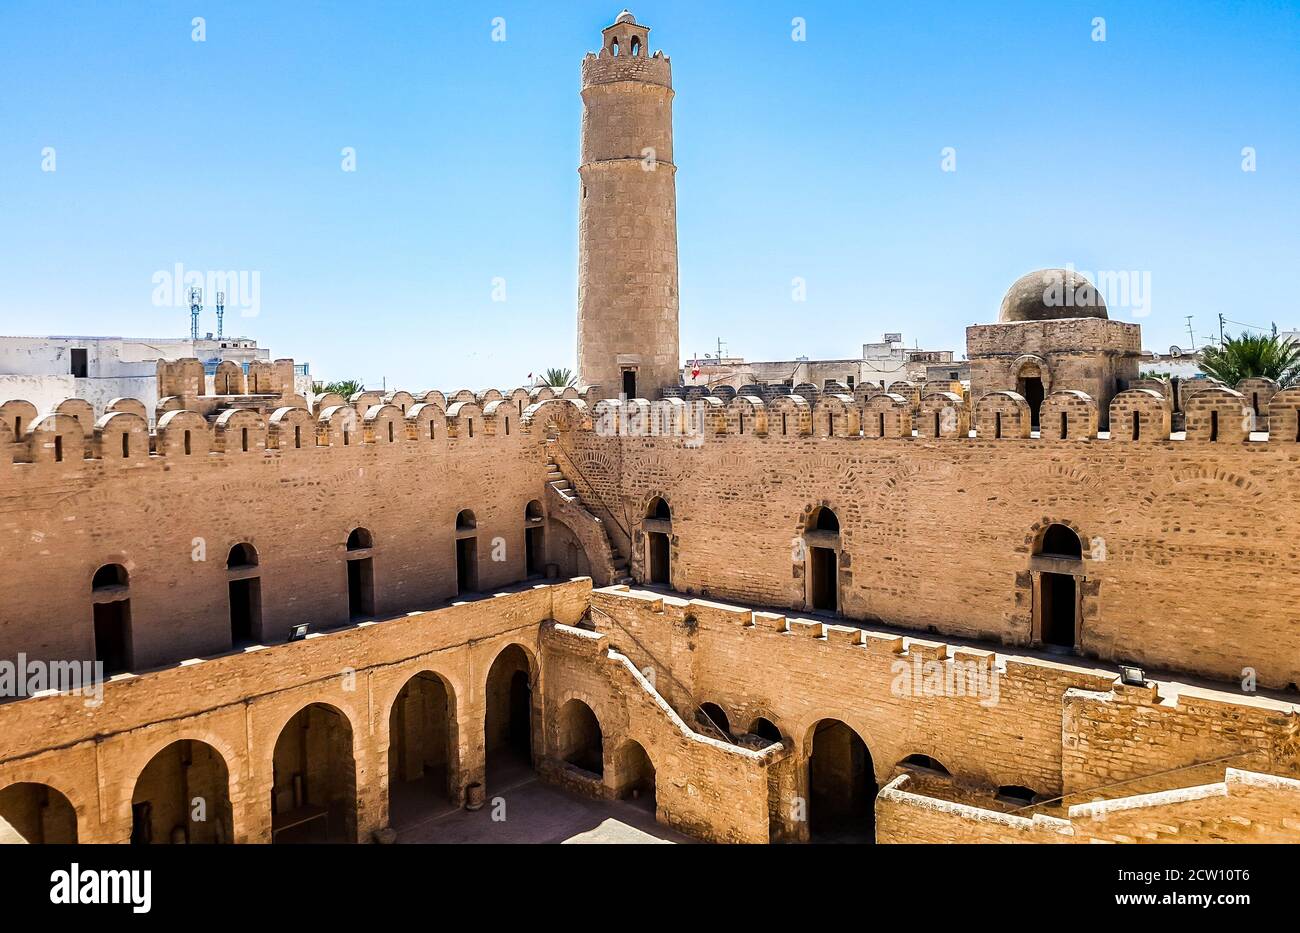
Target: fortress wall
[[239, 703], [796, 673], [1055, 728], [1241, 807], [1189, 546], [1102, 759], [171, 520]]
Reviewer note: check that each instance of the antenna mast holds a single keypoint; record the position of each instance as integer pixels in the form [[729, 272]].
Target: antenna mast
[[196, 305], [221, 311]]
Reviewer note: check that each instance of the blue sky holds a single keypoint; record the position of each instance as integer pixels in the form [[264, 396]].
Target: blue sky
[[817, 159]]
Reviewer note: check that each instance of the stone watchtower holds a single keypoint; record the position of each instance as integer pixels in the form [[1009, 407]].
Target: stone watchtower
[[627, 218]]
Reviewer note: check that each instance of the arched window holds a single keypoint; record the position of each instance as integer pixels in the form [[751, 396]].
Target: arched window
[[636, 46], [465, 520], [659, 509], [241, 555], [360, 539], [109, 575], [924, 763], [1016, 794], [580, 741], [823, 519], [713, 719], [1061, 541]]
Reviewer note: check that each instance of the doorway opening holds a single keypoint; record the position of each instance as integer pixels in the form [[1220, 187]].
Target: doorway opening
[[36, 814], [825, 575], [314, 779], [1030, 387], [658, 525], [245, 591], [534, 540], [508, 724], [1058, 594], [110, 590], [466, 553], [422, 750], [361, 576], [183, 797], [579, 737], [636, 774], [841, 785]]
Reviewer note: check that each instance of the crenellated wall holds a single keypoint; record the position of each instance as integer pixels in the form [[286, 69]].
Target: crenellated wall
[[169, 506], [1188, 548]]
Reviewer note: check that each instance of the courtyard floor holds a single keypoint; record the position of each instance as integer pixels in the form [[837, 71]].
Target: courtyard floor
[[538, 813]]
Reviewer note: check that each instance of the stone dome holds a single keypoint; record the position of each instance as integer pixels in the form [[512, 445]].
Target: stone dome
[[1050, 295], [625, 17]]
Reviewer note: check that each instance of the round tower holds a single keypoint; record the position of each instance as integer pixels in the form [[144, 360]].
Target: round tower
[[627, 218]]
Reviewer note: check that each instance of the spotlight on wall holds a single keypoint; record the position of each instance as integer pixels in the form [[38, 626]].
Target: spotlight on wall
[[1132, 676], [299, 632]]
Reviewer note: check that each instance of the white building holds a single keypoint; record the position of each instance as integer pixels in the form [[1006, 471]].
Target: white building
[[1180, 363], [47, 370], [880, 364]]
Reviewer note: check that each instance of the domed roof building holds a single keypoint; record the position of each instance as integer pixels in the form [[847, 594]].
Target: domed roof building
[[1051, 295], [1053, 333]]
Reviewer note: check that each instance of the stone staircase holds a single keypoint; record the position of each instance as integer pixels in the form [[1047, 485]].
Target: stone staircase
[[617, 570], [706, 787]]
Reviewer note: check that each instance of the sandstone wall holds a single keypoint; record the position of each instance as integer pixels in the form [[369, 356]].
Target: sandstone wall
[[1188, 546], [239, 703], [171, 519], [1055, 728], [1243, 807]]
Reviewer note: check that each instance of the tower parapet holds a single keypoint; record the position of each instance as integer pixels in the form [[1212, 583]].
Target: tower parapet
[[627, 218]]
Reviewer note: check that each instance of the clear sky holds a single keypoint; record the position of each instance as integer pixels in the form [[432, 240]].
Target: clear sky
[[818, 160]]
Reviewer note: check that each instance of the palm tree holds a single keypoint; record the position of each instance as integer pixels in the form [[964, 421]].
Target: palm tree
[[558, 378], [1253, 355], [344, 387]]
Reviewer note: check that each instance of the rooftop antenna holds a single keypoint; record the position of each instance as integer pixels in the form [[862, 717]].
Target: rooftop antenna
[[1190, 334], [721, 348], [196, 305], [221, 311]]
